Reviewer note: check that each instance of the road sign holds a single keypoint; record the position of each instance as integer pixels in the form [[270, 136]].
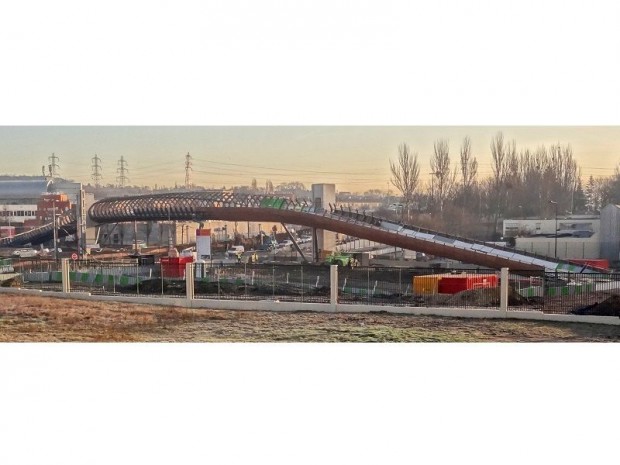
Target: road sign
[[74, 256]]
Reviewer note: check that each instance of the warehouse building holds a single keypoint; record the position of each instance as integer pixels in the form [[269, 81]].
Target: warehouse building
[[19, 197]]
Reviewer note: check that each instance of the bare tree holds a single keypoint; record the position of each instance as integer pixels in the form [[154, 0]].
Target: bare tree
[[469, 164], [469, 169], [503, 161], [498, 155], [405, 175], [440, 166], [593, 194]]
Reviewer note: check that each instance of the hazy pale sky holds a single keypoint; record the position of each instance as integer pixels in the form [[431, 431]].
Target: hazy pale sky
[[355, 158]]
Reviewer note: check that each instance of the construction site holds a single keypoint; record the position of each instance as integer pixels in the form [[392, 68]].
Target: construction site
[[178, 244]]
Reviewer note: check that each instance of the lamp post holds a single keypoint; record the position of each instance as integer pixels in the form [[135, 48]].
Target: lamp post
[[555, 205], [55, 231]]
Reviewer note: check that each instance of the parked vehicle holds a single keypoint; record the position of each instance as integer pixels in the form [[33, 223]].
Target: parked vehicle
[[25, 253], [341, 259], [235, 251], [47, 252]]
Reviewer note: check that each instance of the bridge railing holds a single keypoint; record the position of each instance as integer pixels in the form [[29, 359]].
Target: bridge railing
[[399, 227]]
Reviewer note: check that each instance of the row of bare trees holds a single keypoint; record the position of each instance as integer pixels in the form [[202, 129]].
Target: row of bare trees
[[523, 182]]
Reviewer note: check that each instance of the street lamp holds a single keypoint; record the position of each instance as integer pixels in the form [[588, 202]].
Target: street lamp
[[555, 205], [55, 229]]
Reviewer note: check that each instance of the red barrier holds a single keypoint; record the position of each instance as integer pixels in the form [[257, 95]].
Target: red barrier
[[454, 284], [174, 267]]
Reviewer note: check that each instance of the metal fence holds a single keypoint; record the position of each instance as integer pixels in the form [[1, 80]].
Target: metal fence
[[562, 293], [115, 278], [291, 283], [417, 287], [37, 273]]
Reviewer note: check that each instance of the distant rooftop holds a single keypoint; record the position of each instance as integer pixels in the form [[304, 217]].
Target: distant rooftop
[[19, 187]]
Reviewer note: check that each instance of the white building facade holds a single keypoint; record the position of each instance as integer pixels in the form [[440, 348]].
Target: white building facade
[[576, 236]]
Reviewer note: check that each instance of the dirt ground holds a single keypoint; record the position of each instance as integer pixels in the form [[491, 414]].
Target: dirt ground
[[37, 319]]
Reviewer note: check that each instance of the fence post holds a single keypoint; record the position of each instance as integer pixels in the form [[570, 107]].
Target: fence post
[[189, 281], [64, 272], [333, 286], [503, 291]]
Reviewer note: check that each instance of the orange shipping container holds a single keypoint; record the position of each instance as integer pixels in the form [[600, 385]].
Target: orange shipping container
[[427, 284]]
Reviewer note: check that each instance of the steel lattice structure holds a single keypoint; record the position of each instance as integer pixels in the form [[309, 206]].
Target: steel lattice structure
[[191, 206]]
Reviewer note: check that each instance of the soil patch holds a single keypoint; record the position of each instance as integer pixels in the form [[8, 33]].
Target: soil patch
[[44, 319]]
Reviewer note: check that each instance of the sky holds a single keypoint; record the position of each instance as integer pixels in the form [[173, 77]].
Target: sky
[[355, 158]]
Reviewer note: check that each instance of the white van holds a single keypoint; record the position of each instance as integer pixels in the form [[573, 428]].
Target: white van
[[235, 251]]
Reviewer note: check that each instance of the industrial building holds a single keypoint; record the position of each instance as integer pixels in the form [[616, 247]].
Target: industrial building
[[610, 233], [19, 198], [574, 237], [567, 237], [27, 202]]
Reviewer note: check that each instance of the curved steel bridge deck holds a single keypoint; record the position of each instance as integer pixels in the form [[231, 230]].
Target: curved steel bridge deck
[[209, 205]]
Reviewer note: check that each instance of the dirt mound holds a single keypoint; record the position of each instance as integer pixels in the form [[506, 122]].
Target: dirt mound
[[15, 281], [608, 307]]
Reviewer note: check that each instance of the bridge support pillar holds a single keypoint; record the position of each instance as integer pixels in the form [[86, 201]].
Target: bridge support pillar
[[322, 196], [64, 272], [333, 286], [503, 291], [189, 281]]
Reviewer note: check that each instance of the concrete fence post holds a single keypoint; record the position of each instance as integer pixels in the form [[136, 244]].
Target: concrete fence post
[[333, 286], [64, 273], [503, 290], [189, 281]]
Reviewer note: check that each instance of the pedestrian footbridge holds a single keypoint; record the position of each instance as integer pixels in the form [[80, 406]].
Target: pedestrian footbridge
[[226, 206]]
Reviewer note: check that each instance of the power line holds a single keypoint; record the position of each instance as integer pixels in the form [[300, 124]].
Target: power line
[[96, 176], [279, 169], [238, 174], [53, 166], [122, 179], [188, 168]]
